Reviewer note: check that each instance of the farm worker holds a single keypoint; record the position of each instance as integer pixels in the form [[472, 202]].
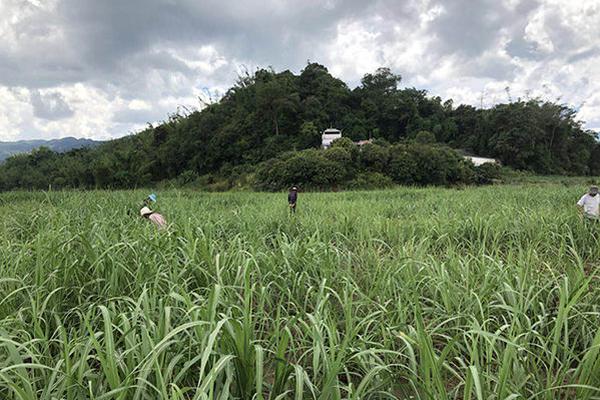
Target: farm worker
[[293, 198], [150, 199], [589, 204], [155, 217]]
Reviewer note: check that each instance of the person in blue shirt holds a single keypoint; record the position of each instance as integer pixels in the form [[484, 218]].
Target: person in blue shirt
[[150, 199]]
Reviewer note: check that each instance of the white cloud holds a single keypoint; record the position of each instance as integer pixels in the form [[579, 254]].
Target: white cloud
[[352, 52], [14, 110], [137, 104], [535, 32]]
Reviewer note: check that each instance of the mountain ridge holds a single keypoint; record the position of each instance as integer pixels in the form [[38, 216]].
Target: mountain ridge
[[10, 148]]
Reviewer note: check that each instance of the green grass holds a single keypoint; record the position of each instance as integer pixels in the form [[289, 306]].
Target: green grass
[[482, 293]]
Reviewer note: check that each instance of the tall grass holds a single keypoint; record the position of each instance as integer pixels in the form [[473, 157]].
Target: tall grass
[[487, 293]]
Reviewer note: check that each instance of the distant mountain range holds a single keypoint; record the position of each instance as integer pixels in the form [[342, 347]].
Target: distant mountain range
[[7, 149]]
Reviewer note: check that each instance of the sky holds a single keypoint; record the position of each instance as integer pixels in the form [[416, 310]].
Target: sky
[[106, 68]]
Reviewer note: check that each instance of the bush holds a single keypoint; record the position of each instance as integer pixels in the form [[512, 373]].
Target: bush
[[464, 172], [340, 155], [344, 157], [420, 164], [308, 168], [343, 142], [374, 158], [402, 165], [369, 167], [487, 173], [187, 178]]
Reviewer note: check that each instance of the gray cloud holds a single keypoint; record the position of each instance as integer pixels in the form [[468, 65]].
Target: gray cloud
[[50, 106], [520, 47], [165, 53], [472, 27], [585, 54], [101, 39]]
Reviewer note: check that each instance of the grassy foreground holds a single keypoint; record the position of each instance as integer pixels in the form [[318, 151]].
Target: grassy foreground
[[483, 293]]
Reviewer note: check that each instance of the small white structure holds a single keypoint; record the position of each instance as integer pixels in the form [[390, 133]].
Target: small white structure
[[361, 143], [481, 160], [328, 136]]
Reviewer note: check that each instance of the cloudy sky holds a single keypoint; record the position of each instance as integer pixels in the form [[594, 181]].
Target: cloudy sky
[[104, 68]]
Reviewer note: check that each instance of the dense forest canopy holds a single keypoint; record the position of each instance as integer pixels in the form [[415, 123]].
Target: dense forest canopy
[[267, 114]]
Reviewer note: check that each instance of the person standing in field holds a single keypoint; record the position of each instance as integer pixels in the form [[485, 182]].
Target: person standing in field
[[293, 199], [154, 217], [589, 204]]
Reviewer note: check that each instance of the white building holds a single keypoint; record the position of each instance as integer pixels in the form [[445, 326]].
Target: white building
[[328, 136], [481, 160]]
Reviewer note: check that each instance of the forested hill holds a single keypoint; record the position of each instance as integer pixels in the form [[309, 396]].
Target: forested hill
[[269, 113], [8, 149]]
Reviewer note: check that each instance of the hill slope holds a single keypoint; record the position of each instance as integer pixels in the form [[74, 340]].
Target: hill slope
[[267, 114]]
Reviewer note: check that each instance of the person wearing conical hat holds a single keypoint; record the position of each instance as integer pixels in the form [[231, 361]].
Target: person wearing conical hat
[[156, 218]]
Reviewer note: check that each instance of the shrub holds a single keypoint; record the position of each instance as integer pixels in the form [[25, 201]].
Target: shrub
[[402, 165], [425, 137], [343, 142], [308, 168], [420, 164], [371, 166], [487, 173], [187, 177], [374, 158]]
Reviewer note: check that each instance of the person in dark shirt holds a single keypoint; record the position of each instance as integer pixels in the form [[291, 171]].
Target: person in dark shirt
[[293, 198]]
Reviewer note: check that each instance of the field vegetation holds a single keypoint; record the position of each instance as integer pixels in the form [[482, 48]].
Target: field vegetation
[[481, 293]]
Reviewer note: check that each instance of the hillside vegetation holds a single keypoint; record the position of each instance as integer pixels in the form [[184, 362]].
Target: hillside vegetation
[[267, 114], [374, 165]]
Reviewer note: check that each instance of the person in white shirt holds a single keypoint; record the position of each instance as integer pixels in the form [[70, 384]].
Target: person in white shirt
[[589, 204]]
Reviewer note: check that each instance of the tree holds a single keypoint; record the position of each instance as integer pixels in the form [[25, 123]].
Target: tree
[[382, 82], [374, 158], [309, 136], [425, 137]]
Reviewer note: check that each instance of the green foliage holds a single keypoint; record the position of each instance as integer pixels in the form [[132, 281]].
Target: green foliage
[[343, 142], [374, 158], [425, 137], [541, 137], [309, 169], [266, 114], [309, 136], [187, 178], [420, 164], [411, 293], [370, 181], [488, 173], [361, 167]]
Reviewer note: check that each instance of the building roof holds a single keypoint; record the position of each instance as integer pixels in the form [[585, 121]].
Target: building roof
[[481, 160]]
